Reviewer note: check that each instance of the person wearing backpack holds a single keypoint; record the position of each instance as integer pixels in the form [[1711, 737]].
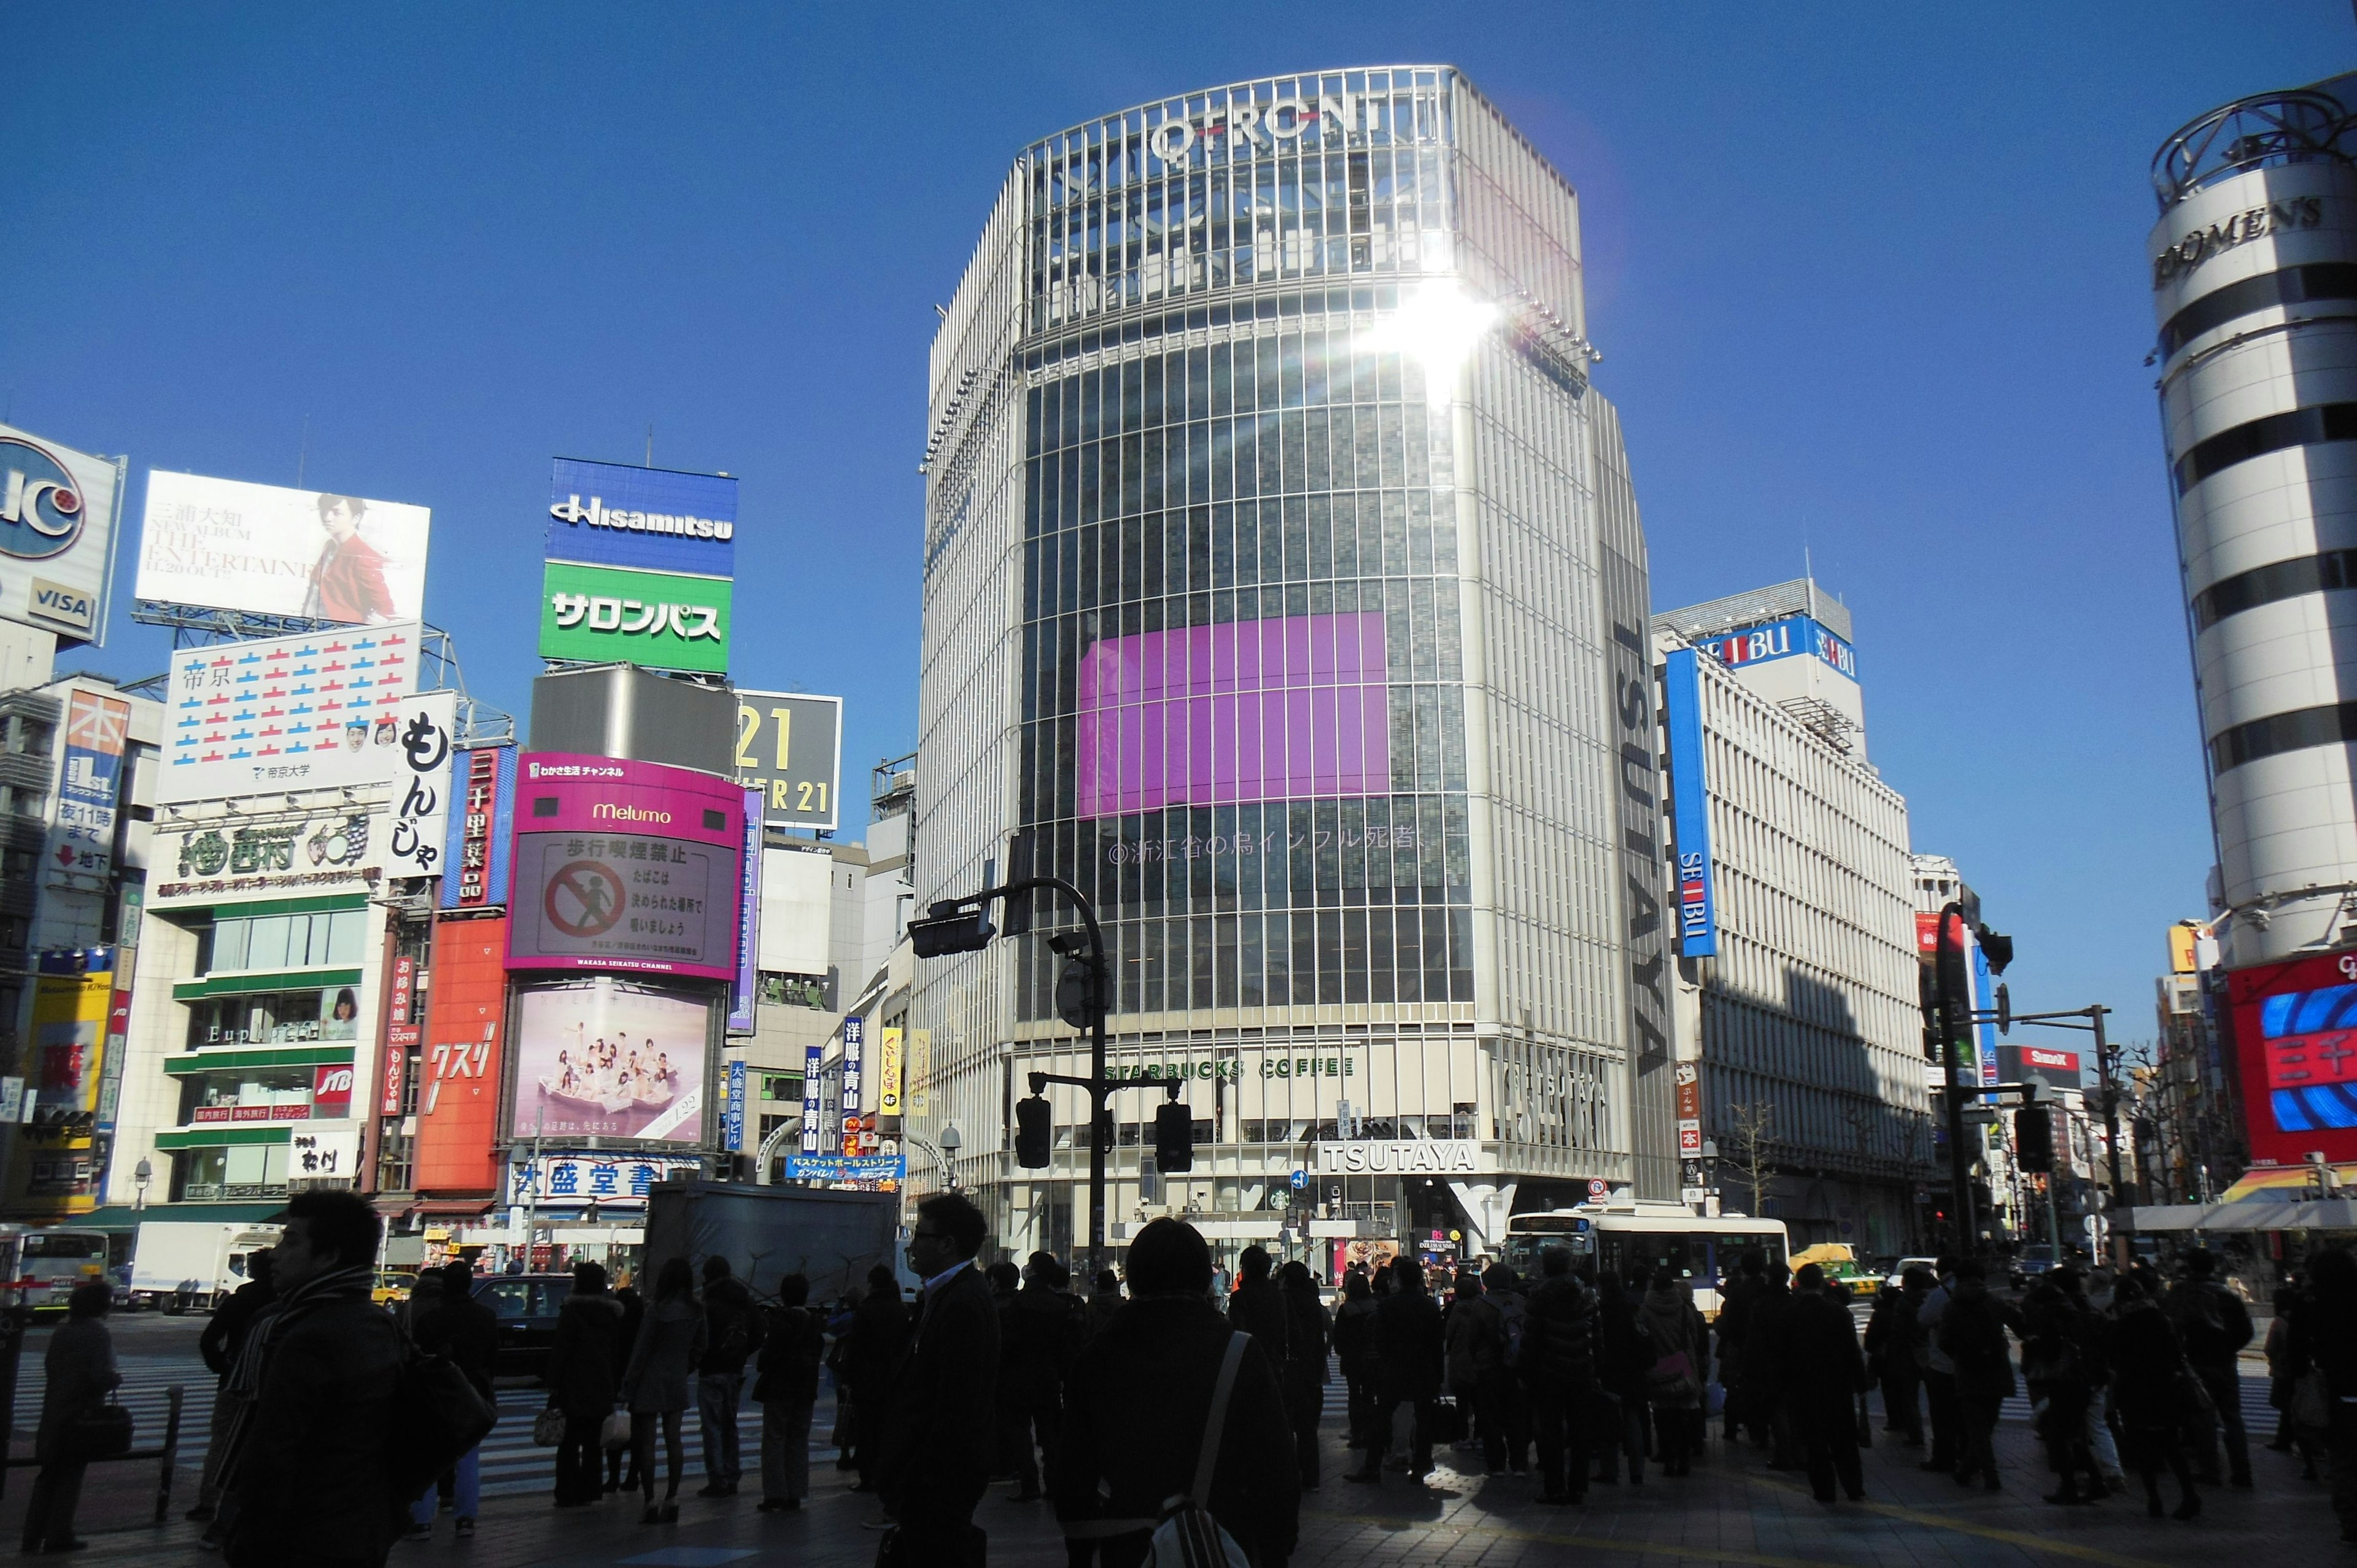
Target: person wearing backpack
[[468, 1332], [1139, 1428], [1354, 1349], [312, 1479], [1040, 1328], [732, 1332], [786, 1390], [2214, 1326]]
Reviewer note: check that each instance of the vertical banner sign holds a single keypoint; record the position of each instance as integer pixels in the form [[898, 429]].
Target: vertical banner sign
[[421, 789], [1689, 1090], [920, 1067], [474, 864], [854, 1052], [887, 1073], [401, 1036], [1690, 806], [118, 1037], [813, 1065], [81, 848], [748, 919], [732, 1123]]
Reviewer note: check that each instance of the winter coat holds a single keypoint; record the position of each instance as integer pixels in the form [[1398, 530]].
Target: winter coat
[[1475, 1339], [1823, 1365], [941, 1426], [1258, 1308], [225, 1332], [1624, 1355], [2212, 1322], [78, 1369], [871, 1347], [1408, 1346], [1041, 1331], [2324, 1335], [1354, 1336], [586, 1361], [655, 1382], [313, 1474], [1734, 1308], [1559, 1334], [1308, 1331], [1667, 1321], [1891, 1332], [733, 1328], [2060, 1348], [787, 1371], [1931, 1353], [1138, 1403], [466, 1329], [1972, 1332], [1764, 1333], [2150, 1371]]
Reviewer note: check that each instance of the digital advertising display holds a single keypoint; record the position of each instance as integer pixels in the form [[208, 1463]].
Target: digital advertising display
[[59, 512], [663, 620], [226, 544], [2295, 1029], [309, 712], [655, 519], [1262, 710], [608, 1059], [625, 865], [790, 747]]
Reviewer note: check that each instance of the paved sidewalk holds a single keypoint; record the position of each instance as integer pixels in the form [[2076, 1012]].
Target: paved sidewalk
[[1731, 1510]]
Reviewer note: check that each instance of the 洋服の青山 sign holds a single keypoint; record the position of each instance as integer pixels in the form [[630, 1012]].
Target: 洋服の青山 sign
[[660, 619], [1444, 1157]]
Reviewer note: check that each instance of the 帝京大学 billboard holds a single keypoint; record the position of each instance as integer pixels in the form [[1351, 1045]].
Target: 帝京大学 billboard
[[59, 508], [227, 544], [287, 712]]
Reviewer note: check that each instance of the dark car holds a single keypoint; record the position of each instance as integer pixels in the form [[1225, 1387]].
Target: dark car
[[527, 1306]]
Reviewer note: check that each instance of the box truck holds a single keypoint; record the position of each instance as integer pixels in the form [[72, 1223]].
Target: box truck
[[177, 1265]]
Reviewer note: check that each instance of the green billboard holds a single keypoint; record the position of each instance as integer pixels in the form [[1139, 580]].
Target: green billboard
[[663, 620]]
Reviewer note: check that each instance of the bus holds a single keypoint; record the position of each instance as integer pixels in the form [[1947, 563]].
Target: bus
[[51, 1262], [1617, 1238]]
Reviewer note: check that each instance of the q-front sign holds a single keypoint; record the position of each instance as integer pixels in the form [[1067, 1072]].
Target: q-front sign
[[1444, 1157]]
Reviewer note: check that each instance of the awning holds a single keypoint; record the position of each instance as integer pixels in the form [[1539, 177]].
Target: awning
[[122, 1217], [2281, 1184], [2251, 1215]]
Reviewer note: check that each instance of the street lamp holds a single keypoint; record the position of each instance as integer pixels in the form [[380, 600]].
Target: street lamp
[[950, 1145], [141, 1174]]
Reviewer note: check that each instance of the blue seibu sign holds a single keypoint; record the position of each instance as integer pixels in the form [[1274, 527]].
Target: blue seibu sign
[[1784, 638]]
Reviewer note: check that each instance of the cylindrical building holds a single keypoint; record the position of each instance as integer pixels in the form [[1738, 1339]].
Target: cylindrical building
[[1284, 582], [2254, 273]]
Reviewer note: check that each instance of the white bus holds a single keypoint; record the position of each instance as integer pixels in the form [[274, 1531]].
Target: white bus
[[1618, 1238], [51, 1262]]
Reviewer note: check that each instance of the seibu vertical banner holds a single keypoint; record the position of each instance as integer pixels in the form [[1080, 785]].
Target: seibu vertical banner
[[401, 1036], [1690, 805]]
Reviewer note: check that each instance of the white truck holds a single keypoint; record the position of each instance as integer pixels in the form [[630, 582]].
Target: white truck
[[177, 1265]]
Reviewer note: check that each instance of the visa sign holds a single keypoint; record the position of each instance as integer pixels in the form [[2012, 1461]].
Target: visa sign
[[1782, 640]]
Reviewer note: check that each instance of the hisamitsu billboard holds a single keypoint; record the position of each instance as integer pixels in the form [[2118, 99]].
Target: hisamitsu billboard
[[654, 520], [623, 865]]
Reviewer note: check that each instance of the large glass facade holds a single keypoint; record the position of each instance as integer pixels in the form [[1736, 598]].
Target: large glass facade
[[1241, 614]]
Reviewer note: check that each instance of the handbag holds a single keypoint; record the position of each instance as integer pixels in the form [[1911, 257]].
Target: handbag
[[615, 1432], [891, 1552], [548, 1428], [2311, 1401], [101, 1434], [1448, 1421], [1601, 1420]]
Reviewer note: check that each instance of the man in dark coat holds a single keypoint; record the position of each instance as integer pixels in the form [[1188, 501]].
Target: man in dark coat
[[2214, 1324], [2323, 1336], [1042, 1329], [938, 1436], [77, 1372], [1408, 1354], [1764, 1404], [1744, 1284], [223, 1337], [1558, 1366], [732, 1332], [585, 1369], [1972, 1331], [1624, 1358], [871, 1352], [310, 1475], [1824, 1374], [1891, 1340], [1162, 1355], [786, 1389], [466, 1331]]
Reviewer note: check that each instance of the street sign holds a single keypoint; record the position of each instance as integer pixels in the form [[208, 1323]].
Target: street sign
[[1598, 1187], [1300, 1180]]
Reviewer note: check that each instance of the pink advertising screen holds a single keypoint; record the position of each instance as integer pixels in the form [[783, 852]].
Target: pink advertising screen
[[625, 867], [1259, 710]]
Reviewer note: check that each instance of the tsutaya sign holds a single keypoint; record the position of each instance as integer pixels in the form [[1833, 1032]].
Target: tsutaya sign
[[1446, 1156]]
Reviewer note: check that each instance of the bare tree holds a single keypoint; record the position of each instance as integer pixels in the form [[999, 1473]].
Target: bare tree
[[1745, 1146]]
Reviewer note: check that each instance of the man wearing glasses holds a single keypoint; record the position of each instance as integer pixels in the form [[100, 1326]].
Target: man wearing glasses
[[938, 1436]]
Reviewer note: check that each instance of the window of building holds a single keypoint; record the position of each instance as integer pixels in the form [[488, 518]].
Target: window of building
[[248, 1094], [781, 1086], [276, 1017], [30, 737], [242, 1172], [286, 941], [793, 990]]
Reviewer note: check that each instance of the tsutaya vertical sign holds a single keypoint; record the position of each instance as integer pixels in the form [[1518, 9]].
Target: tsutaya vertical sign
[[1690, 805]]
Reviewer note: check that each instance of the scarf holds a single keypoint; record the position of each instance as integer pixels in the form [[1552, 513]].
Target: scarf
[[244, 1386]]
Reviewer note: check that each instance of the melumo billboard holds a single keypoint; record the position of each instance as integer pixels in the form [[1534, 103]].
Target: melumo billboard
[[226, 544], [663, 620], [624, 866], [59, 508], [2293, 1026]]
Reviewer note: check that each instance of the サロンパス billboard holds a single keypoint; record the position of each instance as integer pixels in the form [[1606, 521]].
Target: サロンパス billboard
[[663, 620], [226, 544], [606, 1058], [315, 711], [625, 865], [59, 508], [653, 519]]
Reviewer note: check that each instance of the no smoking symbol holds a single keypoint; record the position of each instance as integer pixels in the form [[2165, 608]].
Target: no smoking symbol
[[584, 899]]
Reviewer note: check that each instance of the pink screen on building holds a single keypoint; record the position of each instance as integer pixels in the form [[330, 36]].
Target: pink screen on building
[[1259, 710]]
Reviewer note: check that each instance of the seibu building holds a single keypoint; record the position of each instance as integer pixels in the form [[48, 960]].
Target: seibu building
[[1284, 581]]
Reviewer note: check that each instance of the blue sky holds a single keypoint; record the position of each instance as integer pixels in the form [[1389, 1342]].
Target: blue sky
[[1870, 280]]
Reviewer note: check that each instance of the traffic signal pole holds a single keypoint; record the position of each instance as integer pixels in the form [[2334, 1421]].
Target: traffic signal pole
[[1955, 1015]]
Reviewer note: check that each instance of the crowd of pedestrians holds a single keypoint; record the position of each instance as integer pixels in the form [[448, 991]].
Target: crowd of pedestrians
[[1006, 1373]]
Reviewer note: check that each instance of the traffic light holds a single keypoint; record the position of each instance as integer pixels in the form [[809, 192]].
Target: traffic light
[[1996, 948], [1174, 1138], [1080, 990], [948, 928], [2033, 1139], [1015, 909], [1031, 1132]]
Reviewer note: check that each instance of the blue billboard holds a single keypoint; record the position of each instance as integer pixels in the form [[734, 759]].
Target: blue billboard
[[655, 519], [1690, 806], [1788, 639]]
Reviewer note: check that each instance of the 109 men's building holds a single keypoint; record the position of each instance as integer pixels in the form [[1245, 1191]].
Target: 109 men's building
[[1283, 580]]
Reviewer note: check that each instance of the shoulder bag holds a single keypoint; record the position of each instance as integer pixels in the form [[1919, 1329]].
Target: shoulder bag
[[1186, 1536], [103, 1433]]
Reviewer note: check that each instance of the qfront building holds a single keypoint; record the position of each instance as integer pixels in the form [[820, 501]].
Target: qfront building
[[2253, 273], [1284, 584]]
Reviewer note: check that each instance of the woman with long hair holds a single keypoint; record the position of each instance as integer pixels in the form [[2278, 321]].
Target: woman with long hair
[[655, 1386]]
